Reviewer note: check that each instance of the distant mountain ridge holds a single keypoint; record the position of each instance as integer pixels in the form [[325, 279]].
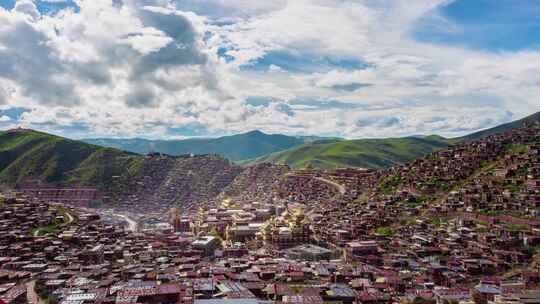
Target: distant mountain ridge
[[374, 153], [54, 159], [235, 147]]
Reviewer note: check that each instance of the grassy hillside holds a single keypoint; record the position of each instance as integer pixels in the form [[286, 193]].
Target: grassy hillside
[[236, 147], [366, 153], [27, 153], [57, 160], [374, 153]]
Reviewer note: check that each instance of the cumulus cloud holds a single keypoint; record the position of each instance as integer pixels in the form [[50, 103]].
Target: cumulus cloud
[[26, 59], [104, 59], [230, 9], [26, 7], [163, 68]]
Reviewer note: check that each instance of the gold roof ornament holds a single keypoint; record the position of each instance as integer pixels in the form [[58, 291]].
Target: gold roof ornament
[[286, 214], [229, 203], [298, 210], [173, 214], [226, 202]]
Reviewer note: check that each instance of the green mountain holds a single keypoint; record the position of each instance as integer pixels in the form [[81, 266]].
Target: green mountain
[[27, 153], [156, 179], [365, 153], [374, 153], [236, 147], [54, 159]]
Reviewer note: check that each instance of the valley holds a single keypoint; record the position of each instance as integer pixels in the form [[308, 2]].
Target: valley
[[457, 216]]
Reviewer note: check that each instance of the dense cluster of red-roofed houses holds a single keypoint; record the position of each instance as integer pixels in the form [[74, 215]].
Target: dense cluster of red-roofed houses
[[88, 260], [457, 226]]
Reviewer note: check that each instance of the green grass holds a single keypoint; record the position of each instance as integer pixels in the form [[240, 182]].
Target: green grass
[[56, 225], [389, 185], [365, 153], [373, 153], [532, 250], [490, 212], [439, 221], [52, 228], [518, 149], [515, 227], [384, 231], [512, 188], [55, 159], [482, 223]]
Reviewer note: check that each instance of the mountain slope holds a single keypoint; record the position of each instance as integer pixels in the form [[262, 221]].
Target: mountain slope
[[374, 153], [126, 178], [367, 153], [504, 127], [164, 181], [236, 147], [27, 153]]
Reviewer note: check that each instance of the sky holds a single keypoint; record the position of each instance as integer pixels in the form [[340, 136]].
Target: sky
[[347, 68]]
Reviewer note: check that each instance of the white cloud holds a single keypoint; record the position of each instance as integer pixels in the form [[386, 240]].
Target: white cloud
[[230, 10], [26, 7], [147, 66], [148, 40], [315, 27]]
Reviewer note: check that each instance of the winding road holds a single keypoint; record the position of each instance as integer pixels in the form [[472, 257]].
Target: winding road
[[339, 187], [70, 220]]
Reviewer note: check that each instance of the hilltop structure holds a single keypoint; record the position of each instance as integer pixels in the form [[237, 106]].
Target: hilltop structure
[[288, 230]]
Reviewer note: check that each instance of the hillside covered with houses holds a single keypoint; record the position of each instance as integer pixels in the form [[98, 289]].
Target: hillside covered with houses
[[459, 225]]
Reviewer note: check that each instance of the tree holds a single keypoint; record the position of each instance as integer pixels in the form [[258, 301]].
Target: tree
[[421, 300]]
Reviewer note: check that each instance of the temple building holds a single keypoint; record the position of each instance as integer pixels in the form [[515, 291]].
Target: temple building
[[243, 227], [288, 230], [178, 223]]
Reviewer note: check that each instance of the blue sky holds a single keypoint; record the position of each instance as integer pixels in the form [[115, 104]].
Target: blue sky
[[349, 68], [302, 63], [45, 7], [490, 25]]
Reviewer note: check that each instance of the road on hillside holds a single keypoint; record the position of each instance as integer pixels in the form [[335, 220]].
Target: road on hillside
[[69, 221], [70, 218], [339, 187]]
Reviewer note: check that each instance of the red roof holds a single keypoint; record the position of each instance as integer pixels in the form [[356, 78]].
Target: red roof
[[170, 288]]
